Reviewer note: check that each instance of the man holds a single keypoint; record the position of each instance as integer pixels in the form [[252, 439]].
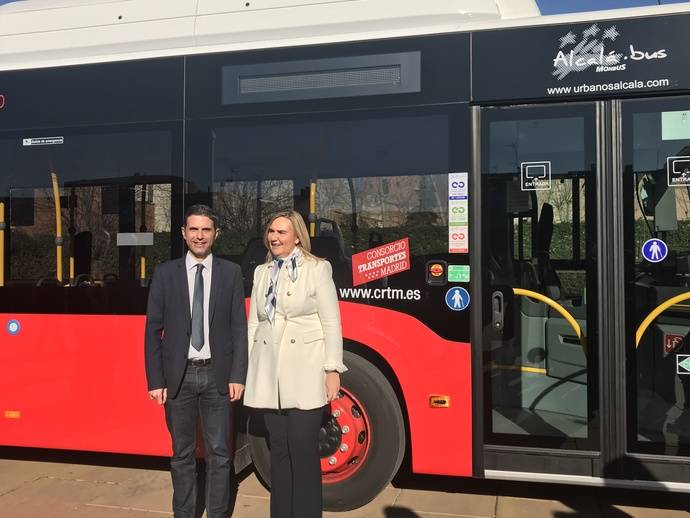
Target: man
[[196, 359]]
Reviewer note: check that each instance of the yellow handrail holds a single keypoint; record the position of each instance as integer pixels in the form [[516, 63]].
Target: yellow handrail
[[142, 268], [555, 305], [656, 312], [312, 208], [58, 228]]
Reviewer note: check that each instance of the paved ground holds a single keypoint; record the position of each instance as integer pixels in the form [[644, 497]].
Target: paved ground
[[37, 484]]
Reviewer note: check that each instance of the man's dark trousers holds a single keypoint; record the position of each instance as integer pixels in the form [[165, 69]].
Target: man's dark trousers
[[199, 395]]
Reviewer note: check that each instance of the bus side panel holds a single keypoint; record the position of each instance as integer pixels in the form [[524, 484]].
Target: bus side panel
[[78, 382], [425, 364]]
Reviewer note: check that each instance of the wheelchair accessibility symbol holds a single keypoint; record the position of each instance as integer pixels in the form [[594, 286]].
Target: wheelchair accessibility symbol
[[654, 250], [457, 298]]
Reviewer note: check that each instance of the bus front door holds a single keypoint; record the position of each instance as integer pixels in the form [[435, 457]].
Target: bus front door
[[585, 258], [538, 219]]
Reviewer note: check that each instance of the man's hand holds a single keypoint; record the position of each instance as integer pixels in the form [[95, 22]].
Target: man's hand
[[235, 391], [159, 395], [332, 386]]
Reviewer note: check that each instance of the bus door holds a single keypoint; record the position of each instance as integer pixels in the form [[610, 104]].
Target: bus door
[[538, 223], [656, 227]]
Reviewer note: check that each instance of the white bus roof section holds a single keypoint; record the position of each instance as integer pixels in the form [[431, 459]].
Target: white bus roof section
[[44, 33]]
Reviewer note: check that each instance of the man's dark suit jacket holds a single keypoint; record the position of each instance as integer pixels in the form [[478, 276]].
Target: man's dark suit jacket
[[168, 326]]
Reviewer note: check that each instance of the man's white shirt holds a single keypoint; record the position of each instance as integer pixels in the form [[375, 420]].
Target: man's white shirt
[[190, 264]]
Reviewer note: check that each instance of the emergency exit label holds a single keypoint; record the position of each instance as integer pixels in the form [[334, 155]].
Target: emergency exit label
[[43, 141], [682, 364]]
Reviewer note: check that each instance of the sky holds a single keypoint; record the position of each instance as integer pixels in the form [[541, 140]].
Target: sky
[[571, 6]]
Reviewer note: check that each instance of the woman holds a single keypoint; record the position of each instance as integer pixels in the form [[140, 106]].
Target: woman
[[295, 361]]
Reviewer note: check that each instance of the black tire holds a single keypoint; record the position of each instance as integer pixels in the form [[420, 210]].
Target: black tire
[[387, 439]]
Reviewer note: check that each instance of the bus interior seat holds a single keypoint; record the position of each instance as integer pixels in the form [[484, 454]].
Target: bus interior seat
[[83, 244], [328, 247], [254, 255], [50, 282], [548, 277]]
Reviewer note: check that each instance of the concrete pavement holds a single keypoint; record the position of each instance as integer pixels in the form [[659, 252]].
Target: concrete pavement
[[72, 485]]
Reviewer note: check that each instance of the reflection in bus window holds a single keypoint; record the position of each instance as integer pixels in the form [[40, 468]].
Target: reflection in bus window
[[387, 208], [244, 208], [352, 214], [114, 195], [376, 178]]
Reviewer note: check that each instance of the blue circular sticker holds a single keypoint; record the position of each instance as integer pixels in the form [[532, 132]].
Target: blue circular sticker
[[13, 327], [457, 298], [654, 250]]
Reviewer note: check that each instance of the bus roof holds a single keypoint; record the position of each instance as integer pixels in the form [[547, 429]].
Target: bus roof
[[45, 33]]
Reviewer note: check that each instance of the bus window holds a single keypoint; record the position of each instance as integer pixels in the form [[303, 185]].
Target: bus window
[[87, 210], [244, 208], [375, 210], [377, 177]]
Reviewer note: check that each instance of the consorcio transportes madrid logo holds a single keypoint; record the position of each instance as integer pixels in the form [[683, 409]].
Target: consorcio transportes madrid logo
[[595, 47]]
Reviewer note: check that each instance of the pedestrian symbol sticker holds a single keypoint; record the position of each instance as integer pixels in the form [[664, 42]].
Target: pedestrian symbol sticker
[[682, 363], [654, 250], [13, 327], [457, 299]]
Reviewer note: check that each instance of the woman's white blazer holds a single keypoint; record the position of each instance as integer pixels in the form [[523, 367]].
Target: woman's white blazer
[[288, 359]]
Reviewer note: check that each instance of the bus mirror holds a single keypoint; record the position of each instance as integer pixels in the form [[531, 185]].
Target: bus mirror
[[645, 193], [665, 211]]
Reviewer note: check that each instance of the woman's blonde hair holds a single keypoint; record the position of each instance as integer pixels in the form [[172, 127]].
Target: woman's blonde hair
[[300, 231]]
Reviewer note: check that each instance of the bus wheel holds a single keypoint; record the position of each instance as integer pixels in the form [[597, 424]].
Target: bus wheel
[[362, 439]]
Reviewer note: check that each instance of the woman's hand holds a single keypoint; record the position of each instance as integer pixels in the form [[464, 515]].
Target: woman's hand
[[332, 385]]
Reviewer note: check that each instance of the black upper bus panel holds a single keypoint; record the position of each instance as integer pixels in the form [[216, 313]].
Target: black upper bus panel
[[606, 58], [376, 74], [112, 93]]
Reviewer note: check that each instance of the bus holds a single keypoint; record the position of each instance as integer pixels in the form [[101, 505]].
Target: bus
[[503, 196]]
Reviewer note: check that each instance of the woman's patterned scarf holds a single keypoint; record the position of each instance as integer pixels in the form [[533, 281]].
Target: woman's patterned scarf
[[272, 293]]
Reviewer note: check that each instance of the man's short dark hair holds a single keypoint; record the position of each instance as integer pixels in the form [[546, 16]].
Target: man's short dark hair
[[202, 210]]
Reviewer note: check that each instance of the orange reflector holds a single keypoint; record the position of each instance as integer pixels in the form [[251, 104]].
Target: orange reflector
[[439, 401], [13, 414]]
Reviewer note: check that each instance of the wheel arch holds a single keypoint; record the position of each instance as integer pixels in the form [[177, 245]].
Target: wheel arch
[[382, 364], [419, 364]]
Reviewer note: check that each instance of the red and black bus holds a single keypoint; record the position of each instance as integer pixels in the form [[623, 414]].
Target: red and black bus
[[504, 199]]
